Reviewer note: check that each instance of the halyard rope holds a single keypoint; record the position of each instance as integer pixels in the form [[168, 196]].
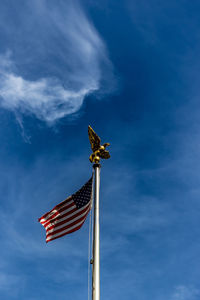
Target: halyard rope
[[90, 245]]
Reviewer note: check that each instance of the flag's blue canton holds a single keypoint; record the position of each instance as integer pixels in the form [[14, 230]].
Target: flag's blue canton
[[83, 196]]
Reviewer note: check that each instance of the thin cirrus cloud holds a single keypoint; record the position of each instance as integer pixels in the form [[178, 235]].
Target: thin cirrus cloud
[[55, 61], [185, 293]]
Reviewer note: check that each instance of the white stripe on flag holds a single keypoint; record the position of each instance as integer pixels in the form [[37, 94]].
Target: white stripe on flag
[[67, 223], [54, 211], [67, 217], [64, 231]]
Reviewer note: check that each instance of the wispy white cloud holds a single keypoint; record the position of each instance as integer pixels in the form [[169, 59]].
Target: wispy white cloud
[[8, 280], [67, 56], [11, 283], [46, 97], [185, 293]]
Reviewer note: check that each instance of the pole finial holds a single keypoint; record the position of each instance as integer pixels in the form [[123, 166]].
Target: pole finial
[[98, 149]]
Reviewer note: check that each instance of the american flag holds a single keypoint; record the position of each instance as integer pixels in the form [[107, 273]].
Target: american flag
[[69, 215]]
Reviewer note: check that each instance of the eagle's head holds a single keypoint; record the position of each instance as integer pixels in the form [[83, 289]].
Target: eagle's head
[[106, 145]]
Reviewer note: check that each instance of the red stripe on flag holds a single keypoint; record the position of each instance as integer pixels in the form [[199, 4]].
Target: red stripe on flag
[[75, 229], [55, 212], [66, 227], [59, 222], [64, 216]]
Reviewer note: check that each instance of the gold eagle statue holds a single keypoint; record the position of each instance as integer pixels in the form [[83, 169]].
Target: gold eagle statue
[[98, 149]]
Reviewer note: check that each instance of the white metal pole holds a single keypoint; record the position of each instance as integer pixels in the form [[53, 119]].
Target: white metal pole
[[96, 239]]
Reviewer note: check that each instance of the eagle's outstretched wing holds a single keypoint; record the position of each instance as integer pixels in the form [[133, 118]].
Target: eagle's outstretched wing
[[105, 154], [94, 139]]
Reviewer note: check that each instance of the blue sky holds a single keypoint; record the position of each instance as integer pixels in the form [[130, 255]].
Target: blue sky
[[130, 69]]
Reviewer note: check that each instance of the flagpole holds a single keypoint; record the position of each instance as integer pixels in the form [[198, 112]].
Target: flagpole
[[96, 237], [99, 151]]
